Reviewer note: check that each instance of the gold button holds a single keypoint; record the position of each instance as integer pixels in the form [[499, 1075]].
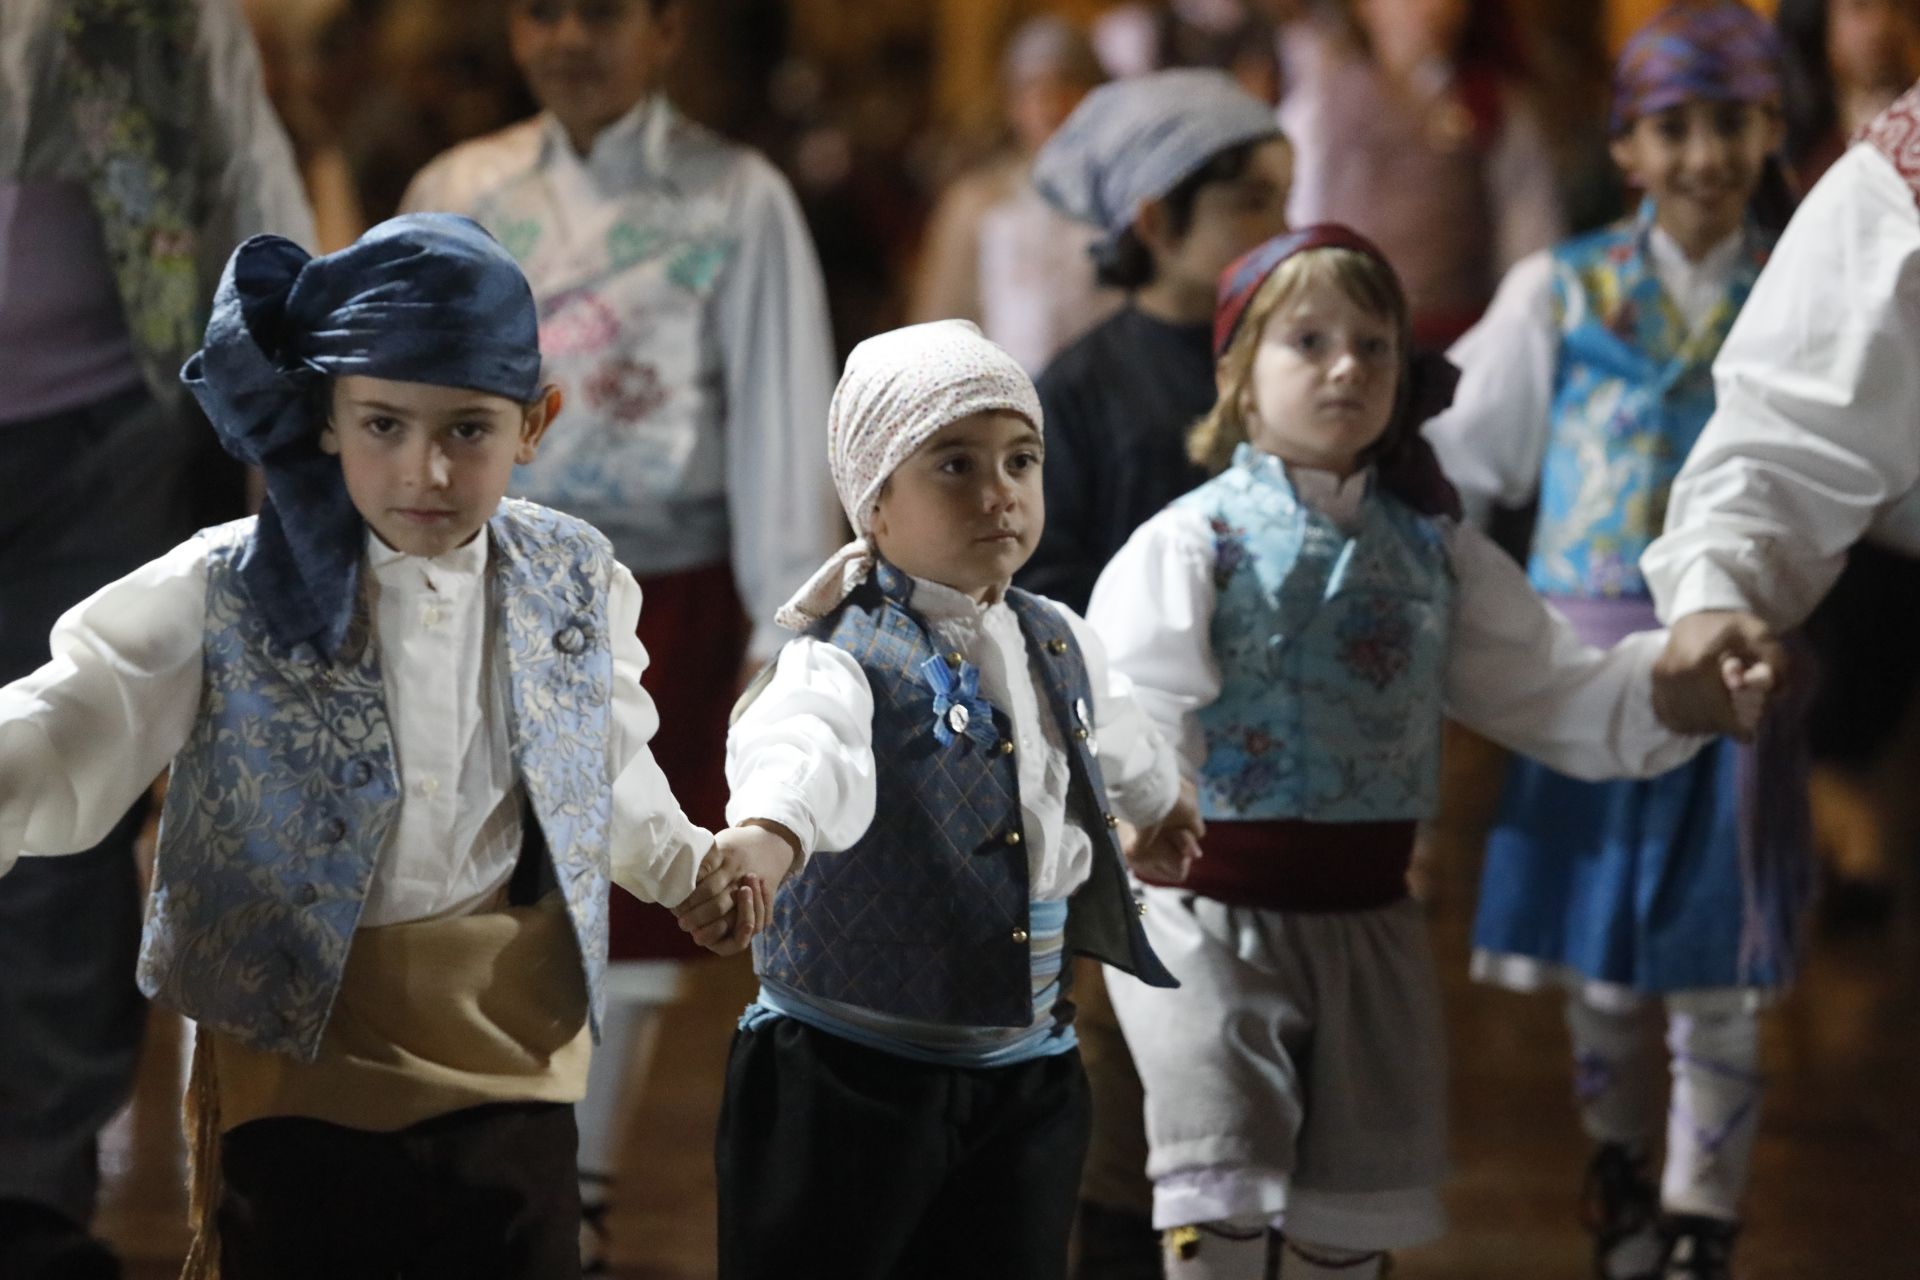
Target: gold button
[[1006, 746], [1019, 935], [1141, 907], [1080, 735], [954, 659], [1012, 837], [1056, 646], [1112, 821]]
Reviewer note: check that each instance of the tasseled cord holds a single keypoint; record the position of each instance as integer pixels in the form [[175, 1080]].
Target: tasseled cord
[[200, 1121]]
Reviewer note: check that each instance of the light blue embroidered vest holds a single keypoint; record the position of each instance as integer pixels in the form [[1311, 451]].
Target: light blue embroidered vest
[[1632, 390], [1331, 649], [926, 915], [282, 800]]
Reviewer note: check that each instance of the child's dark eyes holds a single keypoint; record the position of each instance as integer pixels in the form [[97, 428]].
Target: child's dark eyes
[[1024, 460], [1310, 340], [471, 431], [957, 465], [383, 426]]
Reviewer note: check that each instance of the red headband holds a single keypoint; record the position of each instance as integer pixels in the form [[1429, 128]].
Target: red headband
[[1242, 280]]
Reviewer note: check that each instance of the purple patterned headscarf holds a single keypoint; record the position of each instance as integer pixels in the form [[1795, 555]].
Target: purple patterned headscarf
[[1716, 50]]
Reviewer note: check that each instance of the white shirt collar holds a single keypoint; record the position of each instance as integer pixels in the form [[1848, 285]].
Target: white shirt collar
[[937, 602], [1338, 498], [1671, 261], [448, 572], [632, 148]]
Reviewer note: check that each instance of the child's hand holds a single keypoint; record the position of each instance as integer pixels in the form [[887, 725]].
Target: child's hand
[[1749, 686], [1716, 673], [1167, 850], [752, 904], [764, 850]]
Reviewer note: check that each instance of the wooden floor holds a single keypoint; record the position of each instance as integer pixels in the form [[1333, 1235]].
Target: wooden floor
[[1836, 1193]]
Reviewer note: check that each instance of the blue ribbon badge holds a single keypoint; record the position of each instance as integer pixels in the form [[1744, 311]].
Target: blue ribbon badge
[[958, 708]]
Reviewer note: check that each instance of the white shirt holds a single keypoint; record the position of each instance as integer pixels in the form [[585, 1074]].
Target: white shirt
[[1816, 440], [81, 737], [802, 753], [1515, 672], [1492, 440], [683, 313]]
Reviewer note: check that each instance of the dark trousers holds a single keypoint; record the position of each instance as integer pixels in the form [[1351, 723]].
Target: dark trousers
[[840, 1162], [85, 497], [488, 1193]]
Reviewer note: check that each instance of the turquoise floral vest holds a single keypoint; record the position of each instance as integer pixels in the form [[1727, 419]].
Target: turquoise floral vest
[[1631, 393], [1332, 653], [284, 795]]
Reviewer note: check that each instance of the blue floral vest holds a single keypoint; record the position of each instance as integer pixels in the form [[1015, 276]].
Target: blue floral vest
[[1332, 653], [926, 915], [1631, 393], [284, 795]]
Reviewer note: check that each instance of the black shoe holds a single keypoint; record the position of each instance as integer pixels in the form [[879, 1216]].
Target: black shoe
[[37, 1243], [1698, 1248], [1116, 1244], [1618, 1204]]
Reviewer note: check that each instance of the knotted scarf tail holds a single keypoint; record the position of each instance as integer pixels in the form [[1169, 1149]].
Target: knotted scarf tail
[[1777, 877], [831, 583], [200, 1119]]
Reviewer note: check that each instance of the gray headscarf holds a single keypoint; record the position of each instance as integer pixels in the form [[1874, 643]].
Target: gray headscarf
[[1135, 140]]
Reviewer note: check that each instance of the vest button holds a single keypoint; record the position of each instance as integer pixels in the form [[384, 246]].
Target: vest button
[[1056, 647], [954, 660], [1012, 837], [333, 830], [1006, 746], [1079, 735], [1141, 907], [1110, 820], [570, 640], [1020, 936]]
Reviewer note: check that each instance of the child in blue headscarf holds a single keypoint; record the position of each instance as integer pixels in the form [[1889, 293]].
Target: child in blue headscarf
[[1669, 903], [409, 749]]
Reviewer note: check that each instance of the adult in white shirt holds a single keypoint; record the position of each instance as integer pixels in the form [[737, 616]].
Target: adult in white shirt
[[1814, 445]]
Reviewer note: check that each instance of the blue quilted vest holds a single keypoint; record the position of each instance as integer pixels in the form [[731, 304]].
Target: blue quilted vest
[[282, 799], [925, 916], [1332, 653], [1631, 392]]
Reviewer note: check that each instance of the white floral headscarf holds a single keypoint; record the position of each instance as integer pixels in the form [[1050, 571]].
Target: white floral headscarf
[[899, 389]]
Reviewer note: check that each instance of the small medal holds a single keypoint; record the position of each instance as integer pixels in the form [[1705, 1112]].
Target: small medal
[[958, 718]]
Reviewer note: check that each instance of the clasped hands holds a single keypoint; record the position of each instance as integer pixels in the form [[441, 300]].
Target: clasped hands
[[733, 899], [1717, 674], [1166, 851]]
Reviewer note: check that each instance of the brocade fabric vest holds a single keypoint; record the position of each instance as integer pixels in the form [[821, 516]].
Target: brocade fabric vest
[[925, 916], [1332, 654], [284, 795], [1632, 390]]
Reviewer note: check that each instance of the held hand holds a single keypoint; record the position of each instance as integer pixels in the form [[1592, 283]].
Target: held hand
[[1167, 850], [765, 850], [752, 908], [1716, 673]]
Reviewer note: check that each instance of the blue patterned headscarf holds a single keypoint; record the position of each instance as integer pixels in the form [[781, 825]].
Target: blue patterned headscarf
[[1696, 50], [1135, 140], [428, 297]]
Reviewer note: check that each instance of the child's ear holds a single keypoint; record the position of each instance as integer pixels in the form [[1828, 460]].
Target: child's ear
[[1154, 225], [540, 415], [329, 440]]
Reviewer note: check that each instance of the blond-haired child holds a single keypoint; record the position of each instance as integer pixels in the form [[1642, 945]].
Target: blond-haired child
[[1300, 624]]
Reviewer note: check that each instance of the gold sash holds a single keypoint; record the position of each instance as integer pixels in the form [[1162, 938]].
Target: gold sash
[[433, 1016]]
